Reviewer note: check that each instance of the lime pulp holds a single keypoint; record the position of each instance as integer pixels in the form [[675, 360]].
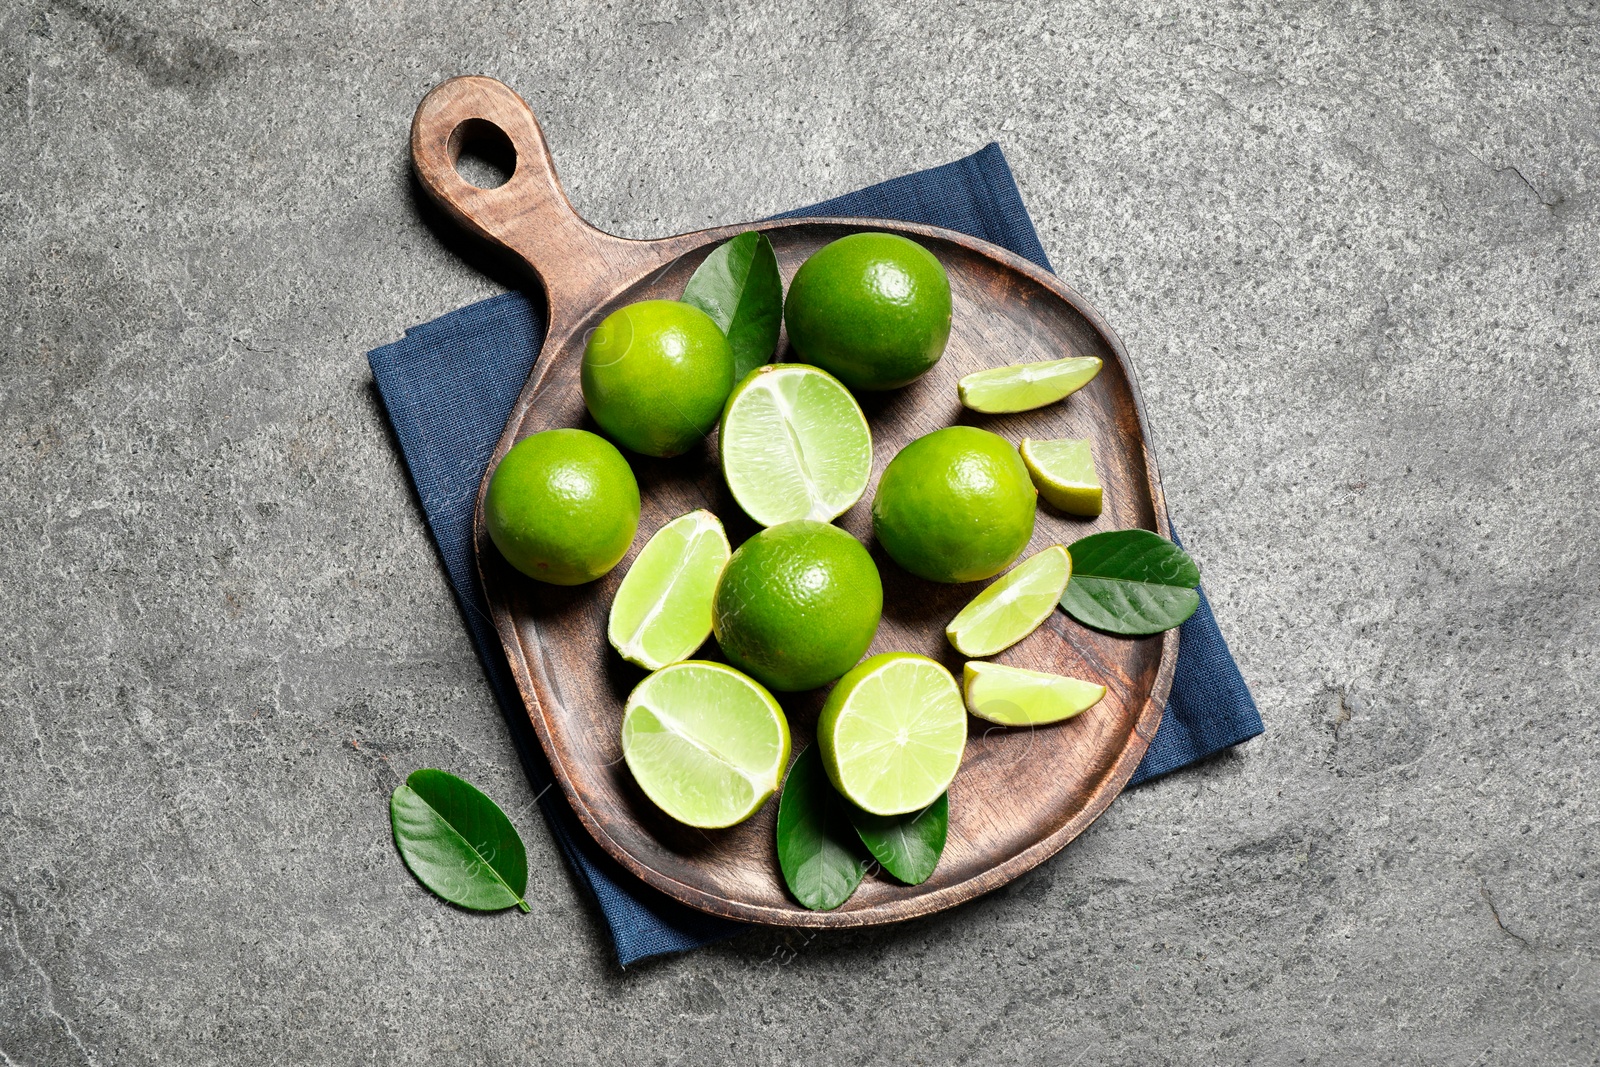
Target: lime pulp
[[1026, 386], [707, 744], [662, 610], [1064, 474], [1012, 696], [892, 733], [1014, 606], [794, 445]]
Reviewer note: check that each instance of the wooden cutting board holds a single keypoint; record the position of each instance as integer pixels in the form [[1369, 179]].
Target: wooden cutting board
[[1021, 794]]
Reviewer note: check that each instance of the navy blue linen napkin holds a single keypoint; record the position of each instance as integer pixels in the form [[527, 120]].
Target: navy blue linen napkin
[[449, 386]]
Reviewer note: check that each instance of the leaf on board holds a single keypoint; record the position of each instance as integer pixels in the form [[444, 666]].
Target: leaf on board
[[908, 846], [739, 286], [1130, 582], [818, 851]]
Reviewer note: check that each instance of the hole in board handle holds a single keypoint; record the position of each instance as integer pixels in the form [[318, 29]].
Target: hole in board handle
[[482, 153]]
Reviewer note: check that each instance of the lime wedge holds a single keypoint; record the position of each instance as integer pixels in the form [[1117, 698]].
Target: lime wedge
[[1027, 385], [707, 744], [662, 611], [1012, 696], [1063, 472], [1014, 606], [794, 445], [892, 733]]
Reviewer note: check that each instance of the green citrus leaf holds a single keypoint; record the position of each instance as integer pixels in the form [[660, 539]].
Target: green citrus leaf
[[819, 853], [1130, 582], [458, 842], [739, 286], [908, 846]]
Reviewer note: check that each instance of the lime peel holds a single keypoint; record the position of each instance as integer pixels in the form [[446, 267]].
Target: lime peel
[[955, 505], [798, 605]]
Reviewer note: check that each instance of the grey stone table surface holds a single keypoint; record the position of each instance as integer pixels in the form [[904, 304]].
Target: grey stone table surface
[[1353, 251]]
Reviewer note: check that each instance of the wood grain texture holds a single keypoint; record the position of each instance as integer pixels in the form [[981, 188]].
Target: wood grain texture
[[1021, 794]]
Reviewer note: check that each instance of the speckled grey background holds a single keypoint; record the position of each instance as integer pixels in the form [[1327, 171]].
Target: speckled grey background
[[1352, 249]]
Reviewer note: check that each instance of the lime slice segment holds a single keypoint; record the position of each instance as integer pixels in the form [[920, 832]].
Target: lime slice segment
[[662, 610], [892, 733], [1014, 606], [707, 744], [1012, 696], [1027, 385], [1063, 472], [794, 445]]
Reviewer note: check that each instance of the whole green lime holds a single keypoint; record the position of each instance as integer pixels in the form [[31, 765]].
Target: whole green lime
[[872, 309], [955, 506], [655, 376], [798, 605], [563, 506]]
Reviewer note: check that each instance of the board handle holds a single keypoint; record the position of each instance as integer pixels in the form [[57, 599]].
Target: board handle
[[530, 214]]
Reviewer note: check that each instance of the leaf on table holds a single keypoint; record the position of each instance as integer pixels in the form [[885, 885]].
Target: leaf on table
[[908, 846], [458, 842], [739, 286], [818, 852], [1131, 582]]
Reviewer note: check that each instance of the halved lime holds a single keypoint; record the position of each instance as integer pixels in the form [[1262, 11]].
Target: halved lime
[[1014, 606], [1012, 696], [892, 732], [1027, 385], [707, 744], [794, 445], [1063, 472], [662, 611]]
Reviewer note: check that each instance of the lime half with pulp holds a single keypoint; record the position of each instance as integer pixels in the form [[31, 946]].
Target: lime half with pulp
[[1011, 696], [1064, 474], [662, 611], [1027, 385], [707, 744], [1014, 606], [892, 733], [794, 445]]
